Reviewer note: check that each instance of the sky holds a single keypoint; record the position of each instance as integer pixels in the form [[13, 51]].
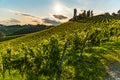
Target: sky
[[44, 11]]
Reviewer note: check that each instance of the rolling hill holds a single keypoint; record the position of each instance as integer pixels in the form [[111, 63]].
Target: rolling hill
[[21, 29], [102, 21], [89, 49]]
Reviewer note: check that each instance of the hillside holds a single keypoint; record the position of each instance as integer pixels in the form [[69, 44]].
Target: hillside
[[21, 29], [88, 49], [87, 24], [101, 19], [31, 29]]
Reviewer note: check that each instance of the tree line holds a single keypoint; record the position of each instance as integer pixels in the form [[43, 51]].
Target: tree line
[[82, 15], [89, 13]]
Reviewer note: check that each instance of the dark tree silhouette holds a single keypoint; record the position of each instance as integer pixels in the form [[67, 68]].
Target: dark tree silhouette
[[107, 13], [84, 13], [92, 13], [114, 14], [75, 14], [118, 13], [88, 13]]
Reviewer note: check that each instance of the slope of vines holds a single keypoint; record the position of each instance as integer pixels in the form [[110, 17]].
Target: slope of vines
[[73, 51], [64, 29]]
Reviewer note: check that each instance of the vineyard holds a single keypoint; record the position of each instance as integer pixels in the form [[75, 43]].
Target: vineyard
[[77, 50]]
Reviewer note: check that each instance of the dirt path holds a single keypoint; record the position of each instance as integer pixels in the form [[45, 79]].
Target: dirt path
[[113, 74], [113, 62], [114, 71]]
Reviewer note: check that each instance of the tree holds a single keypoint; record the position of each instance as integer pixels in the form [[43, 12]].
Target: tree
[[114, 14], [84, 13], [92, 13], [118, 13], [107, 13], [75, 14], [88, 13]]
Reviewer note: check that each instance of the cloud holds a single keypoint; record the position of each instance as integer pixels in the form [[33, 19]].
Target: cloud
[[60, 17], [63, 8], [54, 22], [14, 20], [13, 11], [35, 21], [97, 12], [26, 18], [11, 21], [23, 14], [27, 15]]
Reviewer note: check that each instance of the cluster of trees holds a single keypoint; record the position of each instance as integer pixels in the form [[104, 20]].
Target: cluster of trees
[[21, 29], [113, 14], [89, 13], [82, 15], [30, 29], [116, 14]]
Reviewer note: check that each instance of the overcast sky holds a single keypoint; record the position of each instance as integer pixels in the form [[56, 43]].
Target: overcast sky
[[17, 10]]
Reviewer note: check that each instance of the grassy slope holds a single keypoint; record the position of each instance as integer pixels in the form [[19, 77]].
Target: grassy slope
[[66, 28], [100, 58], [36, 38]]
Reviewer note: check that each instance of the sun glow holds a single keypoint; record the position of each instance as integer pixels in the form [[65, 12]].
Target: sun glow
[[58, 8]]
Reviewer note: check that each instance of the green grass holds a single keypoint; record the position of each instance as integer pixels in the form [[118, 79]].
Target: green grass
[[7, 38]]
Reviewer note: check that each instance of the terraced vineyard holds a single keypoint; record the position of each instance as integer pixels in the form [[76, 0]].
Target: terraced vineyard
[[102, 19], [83, 49]]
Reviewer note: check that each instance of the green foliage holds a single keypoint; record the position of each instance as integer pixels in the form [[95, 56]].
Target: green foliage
[[21, 29], [39, 56]]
